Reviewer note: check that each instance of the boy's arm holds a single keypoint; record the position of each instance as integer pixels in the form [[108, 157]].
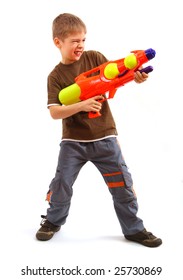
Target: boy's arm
[[89, 105]]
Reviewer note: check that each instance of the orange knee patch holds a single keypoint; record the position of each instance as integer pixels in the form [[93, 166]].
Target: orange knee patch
[[116, 184], [48, 196], [112, 174]]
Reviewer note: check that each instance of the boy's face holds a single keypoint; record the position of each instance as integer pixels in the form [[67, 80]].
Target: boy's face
[[72, 47]]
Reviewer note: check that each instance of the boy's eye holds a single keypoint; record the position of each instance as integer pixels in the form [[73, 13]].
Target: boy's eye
[[78, 41]]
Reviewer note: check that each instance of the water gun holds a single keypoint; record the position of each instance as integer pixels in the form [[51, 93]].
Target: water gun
[[107, 77]]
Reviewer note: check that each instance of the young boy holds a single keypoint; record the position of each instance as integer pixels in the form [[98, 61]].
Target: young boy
[[85, 139]]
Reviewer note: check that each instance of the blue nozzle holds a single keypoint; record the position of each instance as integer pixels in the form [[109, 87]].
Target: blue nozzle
[[150, 53]]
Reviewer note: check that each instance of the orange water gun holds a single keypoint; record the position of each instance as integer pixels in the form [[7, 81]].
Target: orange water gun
[[106, 78]]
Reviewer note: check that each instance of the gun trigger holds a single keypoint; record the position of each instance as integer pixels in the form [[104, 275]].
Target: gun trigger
[[112, 93], [93, 115]]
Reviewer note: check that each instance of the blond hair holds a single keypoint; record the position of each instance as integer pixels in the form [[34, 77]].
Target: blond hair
[[66, 24]]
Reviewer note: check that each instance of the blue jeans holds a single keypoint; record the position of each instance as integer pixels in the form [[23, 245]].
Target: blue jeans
[[107, 157]]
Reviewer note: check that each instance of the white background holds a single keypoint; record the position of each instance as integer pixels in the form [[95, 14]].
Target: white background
[[149, 120]]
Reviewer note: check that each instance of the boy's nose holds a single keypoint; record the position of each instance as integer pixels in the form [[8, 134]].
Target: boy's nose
[[80, 44]]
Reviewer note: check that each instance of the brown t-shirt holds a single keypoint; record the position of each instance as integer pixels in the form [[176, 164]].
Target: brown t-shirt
[[79, 126]]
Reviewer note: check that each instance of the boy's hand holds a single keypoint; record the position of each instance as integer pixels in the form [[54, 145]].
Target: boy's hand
[[140, 77], [92, 104]]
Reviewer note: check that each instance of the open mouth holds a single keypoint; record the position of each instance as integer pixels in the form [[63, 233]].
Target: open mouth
[[78, 53]]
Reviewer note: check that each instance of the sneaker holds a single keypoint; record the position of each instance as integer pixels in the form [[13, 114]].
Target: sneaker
[[145, 238], [47, 230]]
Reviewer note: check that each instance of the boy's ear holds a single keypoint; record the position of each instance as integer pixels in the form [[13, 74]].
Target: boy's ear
[[57, 42]]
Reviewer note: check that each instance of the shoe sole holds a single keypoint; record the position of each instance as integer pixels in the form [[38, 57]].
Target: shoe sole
[[148, 243]]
